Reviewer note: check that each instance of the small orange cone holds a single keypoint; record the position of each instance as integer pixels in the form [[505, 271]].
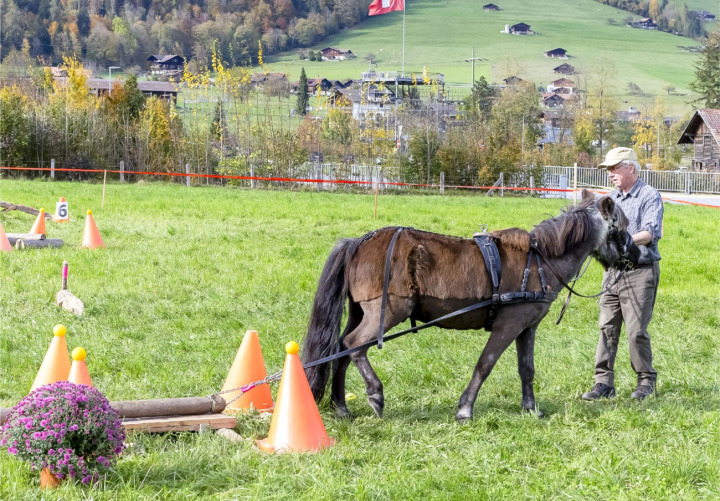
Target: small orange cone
[[56, 364], [296, 424], [4, 241], [78, 370], [248, 367], [38, 227], [91, 237]]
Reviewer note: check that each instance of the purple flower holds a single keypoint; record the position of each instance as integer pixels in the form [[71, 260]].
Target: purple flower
[[51, 452]]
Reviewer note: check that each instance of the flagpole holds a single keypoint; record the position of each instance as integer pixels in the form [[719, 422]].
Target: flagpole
[[403, 47]]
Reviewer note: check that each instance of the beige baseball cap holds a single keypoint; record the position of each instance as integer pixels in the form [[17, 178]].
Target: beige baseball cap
[[617, 155]]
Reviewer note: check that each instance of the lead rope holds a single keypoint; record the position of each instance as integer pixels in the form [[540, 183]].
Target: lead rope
[[567, 299]]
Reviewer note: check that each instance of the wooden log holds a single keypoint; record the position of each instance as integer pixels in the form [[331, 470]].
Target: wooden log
[[159, 407], [6, 206], [170, 406], [25, 236], [179, 423], [38, 244]]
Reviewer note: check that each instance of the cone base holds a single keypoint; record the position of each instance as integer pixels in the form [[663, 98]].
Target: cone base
[[265, 446], [245, 410]]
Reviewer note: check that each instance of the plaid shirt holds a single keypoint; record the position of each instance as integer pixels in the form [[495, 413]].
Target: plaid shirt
[[643, 206]]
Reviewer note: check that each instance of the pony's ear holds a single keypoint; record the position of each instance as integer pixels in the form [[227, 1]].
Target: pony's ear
[[606, 205], [587, 195]]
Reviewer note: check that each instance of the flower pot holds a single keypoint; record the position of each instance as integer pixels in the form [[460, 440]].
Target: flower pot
[[48, 480]]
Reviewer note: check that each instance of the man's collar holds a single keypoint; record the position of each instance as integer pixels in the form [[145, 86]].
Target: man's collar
[[633, 191]]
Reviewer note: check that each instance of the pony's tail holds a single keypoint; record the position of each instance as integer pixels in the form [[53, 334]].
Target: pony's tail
[[322, 337]]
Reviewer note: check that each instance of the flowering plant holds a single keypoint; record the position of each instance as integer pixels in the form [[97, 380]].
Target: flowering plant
[[68, 428]]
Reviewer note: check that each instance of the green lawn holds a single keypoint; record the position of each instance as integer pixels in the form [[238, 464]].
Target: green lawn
[[187, 271], [441, 34]]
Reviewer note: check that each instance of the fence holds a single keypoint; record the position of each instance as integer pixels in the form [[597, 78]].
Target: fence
[[678, 181]]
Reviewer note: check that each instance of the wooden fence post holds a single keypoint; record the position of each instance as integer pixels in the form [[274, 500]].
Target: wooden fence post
[[122, 170], [187, 177], [52, 168], [442, 183], [502, 184], [252, 174]]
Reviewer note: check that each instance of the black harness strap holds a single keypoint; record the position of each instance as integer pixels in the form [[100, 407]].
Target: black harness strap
[[386, 286], [491, 256]]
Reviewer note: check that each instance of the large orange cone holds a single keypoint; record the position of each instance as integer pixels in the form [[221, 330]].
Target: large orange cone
[[4, 241], [296, 424], [38, 227], [91, 237], [248, 367], [56, 364], [78, 370]]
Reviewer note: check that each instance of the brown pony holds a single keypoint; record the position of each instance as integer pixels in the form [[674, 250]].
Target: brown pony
[[432, 275]]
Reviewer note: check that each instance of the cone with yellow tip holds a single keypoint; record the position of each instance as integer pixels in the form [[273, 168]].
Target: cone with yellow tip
[[248, 367], [296, 424], [4, 241], [38, 227], [91, 237], [78, 370], [56, 364]]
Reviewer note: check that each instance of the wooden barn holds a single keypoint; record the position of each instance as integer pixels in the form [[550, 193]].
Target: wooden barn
[[491, 7], [564, 69], [703, 131], [520, 29], [559, 53]]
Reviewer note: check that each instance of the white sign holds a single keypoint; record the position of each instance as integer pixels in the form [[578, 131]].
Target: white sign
[[61, 211]]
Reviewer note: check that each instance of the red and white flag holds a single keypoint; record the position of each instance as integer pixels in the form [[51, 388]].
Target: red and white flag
[[384, 6]]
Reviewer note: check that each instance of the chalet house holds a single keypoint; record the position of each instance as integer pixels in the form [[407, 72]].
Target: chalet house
[[562, 86], [332, 54], [162, 90], [564, 69], [552, 100], [513, 80], [166, 63], [704, 15], [316, 86], [645, 24], [491, 7], [703, 132], [628, 116], [558, 53], [519, 29]]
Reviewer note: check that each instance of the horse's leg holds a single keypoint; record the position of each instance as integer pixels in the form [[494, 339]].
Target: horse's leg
[[397, 310], [337, 396], [504, 332], [525, 346]]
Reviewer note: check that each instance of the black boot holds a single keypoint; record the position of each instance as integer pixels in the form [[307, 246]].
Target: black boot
[[600, 390]]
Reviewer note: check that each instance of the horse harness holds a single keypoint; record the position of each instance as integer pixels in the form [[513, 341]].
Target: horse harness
[[493, 266]]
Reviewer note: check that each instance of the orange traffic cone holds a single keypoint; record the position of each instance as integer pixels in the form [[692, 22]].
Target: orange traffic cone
[[78, 370], [248, 367], [91, 237], [296, 424], [4, 241], [38, 227], [56, 364]]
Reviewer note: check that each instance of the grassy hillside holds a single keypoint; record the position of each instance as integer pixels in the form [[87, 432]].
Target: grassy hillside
[[441, 34]]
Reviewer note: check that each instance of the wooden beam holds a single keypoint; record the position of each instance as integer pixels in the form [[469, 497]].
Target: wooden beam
[[25, 236], [27, 244], [6, 206], [179, 423]]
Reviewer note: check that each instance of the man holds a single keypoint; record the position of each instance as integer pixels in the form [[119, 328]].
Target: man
[[632, 298]]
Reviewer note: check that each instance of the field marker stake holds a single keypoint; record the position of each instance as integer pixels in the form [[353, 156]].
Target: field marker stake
[[102, 203]]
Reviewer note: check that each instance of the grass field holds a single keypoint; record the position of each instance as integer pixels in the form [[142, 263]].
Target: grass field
[[187, 271], [441, 34]]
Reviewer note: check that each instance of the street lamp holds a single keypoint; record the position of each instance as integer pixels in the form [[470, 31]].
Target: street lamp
[[110, 68]]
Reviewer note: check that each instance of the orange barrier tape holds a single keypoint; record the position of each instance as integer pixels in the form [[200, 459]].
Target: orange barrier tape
[[330, 181]]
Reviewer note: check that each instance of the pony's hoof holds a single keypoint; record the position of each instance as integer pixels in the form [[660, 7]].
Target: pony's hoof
[[342, 413], [463, 417], [534, 411], [377, 402]]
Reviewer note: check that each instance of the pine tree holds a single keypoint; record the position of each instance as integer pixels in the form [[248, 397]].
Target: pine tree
[[707, 72], [303, 97]]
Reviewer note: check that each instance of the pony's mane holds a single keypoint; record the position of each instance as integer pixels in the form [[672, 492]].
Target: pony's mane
[[513, 238], [555, 235]]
